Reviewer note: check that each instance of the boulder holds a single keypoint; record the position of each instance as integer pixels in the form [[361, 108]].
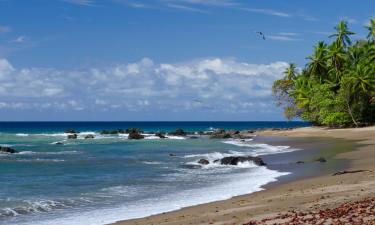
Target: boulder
[[178, 132], [300, 162], [160, 135], [72, 136], [133, 130], [204, 162], [8, 150], [220, 135], [135, 134], [172, 155], [58, 143], [89, 136], [321, 159], [234, 160]]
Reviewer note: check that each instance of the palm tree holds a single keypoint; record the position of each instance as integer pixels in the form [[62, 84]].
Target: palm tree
[[291, 72], [301, 93], [337, 57], [371, 30], [342, 33], [317, 65]]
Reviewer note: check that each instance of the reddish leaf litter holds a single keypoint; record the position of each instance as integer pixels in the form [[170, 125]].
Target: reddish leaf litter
[[350, 213]]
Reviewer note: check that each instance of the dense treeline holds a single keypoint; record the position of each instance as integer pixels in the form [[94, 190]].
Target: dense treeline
[[337, 85]]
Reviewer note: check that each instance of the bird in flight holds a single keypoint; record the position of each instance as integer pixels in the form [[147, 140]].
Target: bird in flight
[[261, 34]]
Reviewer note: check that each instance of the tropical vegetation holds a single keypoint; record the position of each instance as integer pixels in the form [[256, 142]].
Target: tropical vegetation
[[337, 85]]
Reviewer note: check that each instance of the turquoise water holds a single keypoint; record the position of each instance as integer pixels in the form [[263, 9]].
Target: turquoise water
[[101, 180]]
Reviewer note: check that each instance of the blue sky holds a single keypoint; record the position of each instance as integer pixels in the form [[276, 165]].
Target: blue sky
[[157, 60]]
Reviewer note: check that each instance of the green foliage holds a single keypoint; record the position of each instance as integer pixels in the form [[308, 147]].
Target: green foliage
[[337, 86]]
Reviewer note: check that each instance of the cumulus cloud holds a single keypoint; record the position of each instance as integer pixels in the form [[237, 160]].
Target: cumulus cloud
[[213, 84]]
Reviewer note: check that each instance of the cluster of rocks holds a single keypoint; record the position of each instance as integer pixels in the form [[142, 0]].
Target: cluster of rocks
[[223, 134], [235, 160], [134, 133], [8, 150]]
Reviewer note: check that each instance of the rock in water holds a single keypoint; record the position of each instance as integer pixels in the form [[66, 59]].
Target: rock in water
[[8, 150], [160, 135], [72, 136], [178, 132], [321, 159], [203, 162], [135, 134], [89, 136], [234, 160]]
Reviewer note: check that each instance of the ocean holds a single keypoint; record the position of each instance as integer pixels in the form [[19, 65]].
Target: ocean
[[110, 178]]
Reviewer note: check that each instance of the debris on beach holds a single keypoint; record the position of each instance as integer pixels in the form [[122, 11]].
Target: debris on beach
[[354, 213]]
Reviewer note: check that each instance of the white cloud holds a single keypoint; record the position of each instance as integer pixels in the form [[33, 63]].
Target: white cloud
[[80, 2], [270, 12], [185, 8], [279, 37], [205, 84], [19, 39]]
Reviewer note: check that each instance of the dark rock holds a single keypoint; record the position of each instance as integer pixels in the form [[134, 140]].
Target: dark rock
[[89, 136], [134, 134], [59, 143], [321, 159], [160, 135], [234, 160], [194, 137], [232, 132], [172, 155], [204, 162], [72, 136], [300, 162], [221, 135], [133, 130], [8, 150], [71, 131], [178, 132]]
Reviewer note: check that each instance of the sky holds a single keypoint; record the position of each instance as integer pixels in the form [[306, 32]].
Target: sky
[[159, 60]]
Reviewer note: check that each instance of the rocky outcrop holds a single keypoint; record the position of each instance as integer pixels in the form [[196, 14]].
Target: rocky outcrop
[[204, 162], [8, 150], [72, 136], [178, 132], [160, 135], [134, 134], [234, 160], [89, 136], [119, 131], [220, 134], [58, 143]]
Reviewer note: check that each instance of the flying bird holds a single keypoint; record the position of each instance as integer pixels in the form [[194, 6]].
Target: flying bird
[[261, 34]]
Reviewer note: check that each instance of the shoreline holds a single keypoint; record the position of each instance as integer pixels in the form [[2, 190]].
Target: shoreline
[[306, 194]]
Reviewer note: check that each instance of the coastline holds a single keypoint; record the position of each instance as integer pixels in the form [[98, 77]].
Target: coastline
[[322, 191]]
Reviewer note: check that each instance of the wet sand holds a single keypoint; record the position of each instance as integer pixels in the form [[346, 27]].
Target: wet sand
[[317, 192]]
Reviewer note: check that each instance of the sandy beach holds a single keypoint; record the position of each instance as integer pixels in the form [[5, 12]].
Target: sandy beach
[[326, 191]]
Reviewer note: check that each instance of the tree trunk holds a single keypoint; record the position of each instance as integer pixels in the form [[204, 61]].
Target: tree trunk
[[351, 114]]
